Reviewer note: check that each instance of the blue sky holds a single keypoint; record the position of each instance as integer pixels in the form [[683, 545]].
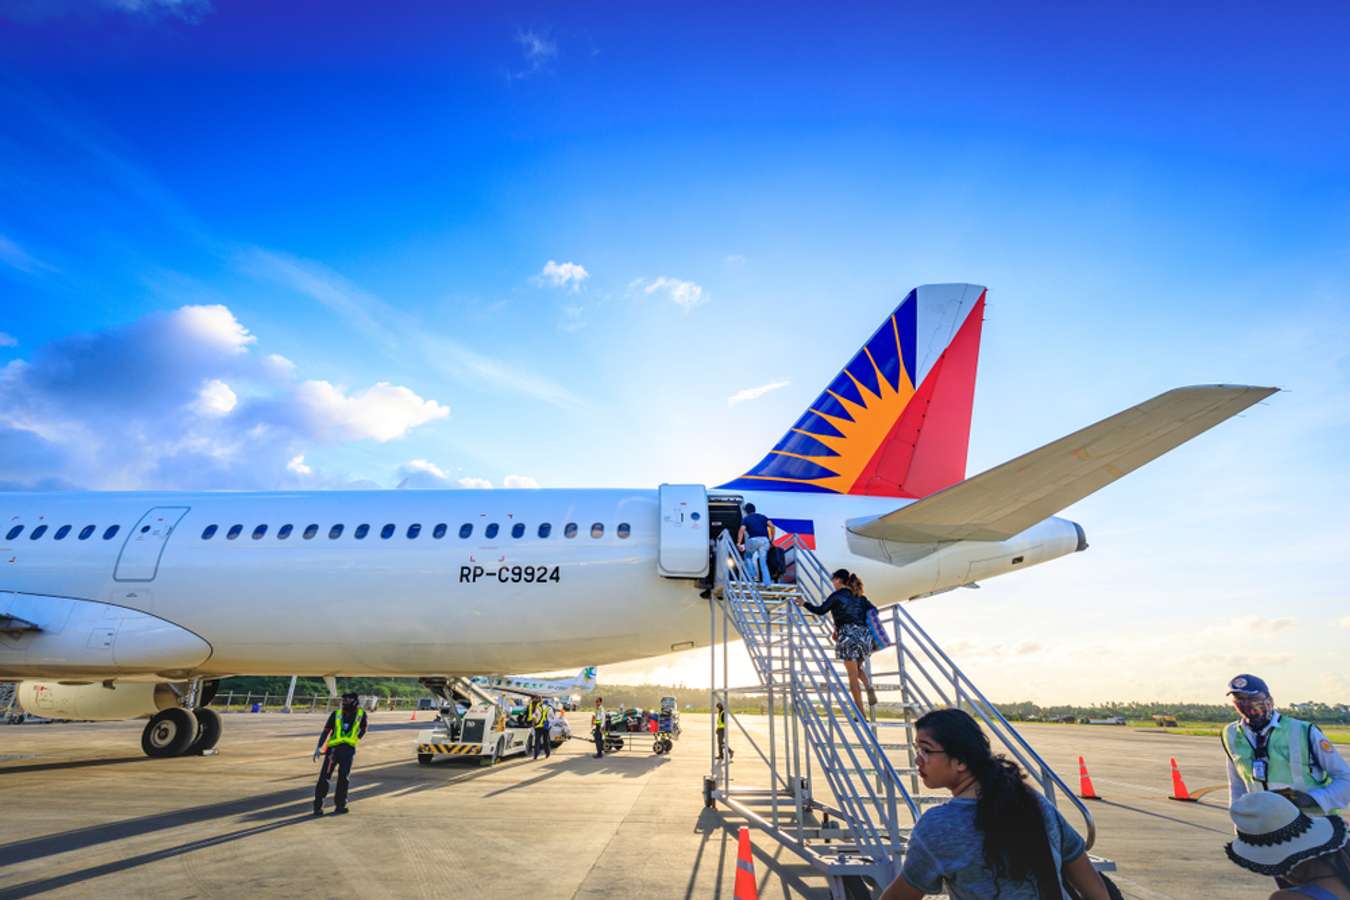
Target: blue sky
[[330, 246]]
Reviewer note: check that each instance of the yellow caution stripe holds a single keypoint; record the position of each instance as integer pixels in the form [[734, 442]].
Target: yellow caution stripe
[[451, 749]]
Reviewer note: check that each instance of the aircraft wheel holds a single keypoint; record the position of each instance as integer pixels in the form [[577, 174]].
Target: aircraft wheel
[[424, 759], [169, 733], [208, 731]]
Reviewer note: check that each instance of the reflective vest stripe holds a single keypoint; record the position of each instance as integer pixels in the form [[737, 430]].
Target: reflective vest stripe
[[352, 737], [722, 721], [598, 719], [1287, 760]]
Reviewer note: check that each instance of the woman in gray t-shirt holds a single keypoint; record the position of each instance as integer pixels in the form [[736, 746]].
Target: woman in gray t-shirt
[[996, 837]]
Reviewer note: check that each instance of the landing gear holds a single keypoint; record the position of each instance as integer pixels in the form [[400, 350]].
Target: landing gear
[[169, 733], [208, 731]]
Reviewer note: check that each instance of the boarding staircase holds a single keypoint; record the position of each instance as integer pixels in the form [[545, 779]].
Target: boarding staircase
[[855, 830]]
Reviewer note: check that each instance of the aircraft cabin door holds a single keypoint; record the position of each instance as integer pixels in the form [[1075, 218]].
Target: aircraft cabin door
[[684, 531], [145, 544]]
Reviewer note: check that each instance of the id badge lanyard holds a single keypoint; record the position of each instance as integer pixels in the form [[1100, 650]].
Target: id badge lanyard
[[1260, 753]]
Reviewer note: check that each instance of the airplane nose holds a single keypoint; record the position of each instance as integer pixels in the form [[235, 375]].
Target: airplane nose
[[1082, 537]]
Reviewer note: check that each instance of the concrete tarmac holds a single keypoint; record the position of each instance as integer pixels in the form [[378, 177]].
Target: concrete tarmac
[[84, 814]]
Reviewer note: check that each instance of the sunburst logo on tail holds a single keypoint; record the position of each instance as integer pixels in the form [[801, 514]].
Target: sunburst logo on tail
[[895, 421]]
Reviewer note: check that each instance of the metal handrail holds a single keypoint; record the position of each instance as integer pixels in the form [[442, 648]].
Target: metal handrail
[[987, 712], [752, 615], [1012, 739]]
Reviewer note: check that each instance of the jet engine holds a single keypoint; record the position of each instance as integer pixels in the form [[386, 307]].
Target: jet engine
[[98, 702]]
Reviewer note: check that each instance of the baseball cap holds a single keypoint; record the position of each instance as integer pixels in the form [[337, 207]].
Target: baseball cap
[[1247, 684]]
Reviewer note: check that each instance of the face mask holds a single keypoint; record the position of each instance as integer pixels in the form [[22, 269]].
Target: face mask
[[1255, 709]]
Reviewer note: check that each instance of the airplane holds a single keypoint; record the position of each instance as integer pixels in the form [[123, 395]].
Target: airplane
[[525, 686], [119, 605]]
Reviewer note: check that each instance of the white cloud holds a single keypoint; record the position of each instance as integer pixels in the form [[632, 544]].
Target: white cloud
[[568, 275], [278, 365], [538, 49], [14, 256], [734, 259], [215, 399], [470, 482], [519, 481], [297, 465], [8, 340], [190, 11], [684, 294], [754, 393], [104, 410], [382, 412], [397, 334], [422, 474], [214, 326]]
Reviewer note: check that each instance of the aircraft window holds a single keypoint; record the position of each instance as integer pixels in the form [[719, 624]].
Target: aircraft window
[[85, 532], [361, 531], [284, 531], [545, 529], [61, 533], [571, 530], [311, 530], [335, 532], [144, 529], [465, 530], [387, 531], [491, 531], [234, 531], [38, 532], [14, 532], [259, 532], [439, 531], [624, 530], [209, 532], [414, 530], [518, 530], [597, 530], [111, 532]]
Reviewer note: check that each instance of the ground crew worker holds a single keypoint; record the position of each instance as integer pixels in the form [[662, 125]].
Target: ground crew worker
[[1270, 752], [540, 723], [341, 733], [722, 751], [598, 727]]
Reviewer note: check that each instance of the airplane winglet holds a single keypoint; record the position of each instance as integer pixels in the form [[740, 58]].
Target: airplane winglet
[[1009, 498]]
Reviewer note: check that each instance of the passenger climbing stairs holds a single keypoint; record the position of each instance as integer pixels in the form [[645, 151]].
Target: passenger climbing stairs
[[841, 789]]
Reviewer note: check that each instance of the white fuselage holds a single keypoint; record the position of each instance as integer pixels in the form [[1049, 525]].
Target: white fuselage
[[409, 606]]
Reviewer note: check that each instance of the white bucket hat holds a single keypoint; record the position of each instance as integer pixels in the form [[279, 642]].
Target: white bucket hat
[[1273, 836]]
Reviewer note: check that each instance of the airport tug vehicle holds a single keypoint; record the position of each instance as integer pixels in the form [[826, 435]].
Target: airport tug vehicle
[[475, 723]]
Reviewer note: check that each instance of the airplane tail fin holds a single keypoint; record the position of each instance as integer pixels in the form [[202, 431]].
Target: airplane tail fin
[[895, 421], [586, 679]]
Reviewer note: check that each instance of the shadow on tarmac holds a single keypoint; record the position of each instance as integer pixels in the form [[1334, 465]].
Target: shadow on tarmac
[[1157, 815], [73, 764], [789, 870]]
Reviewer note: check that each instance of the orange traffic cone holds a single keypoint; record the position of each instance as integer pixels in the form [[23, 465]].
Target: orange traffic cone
[[1179, 791], [413, 717], [745, 870], [1085, 782]]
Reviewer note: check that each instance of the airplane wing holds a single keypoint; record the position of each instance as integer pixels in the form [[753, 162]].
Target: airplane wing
[[1009, 498]]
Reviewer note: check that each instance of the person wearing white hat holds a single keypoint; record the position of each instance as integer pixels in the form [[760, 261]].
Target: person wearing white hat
[[1305, 854]]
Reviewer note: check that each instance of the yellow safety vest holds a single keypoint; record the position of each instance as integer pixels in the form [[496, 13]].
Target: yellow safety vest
[[353, 735], [598, 719], [722, 721], [540, 716]]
